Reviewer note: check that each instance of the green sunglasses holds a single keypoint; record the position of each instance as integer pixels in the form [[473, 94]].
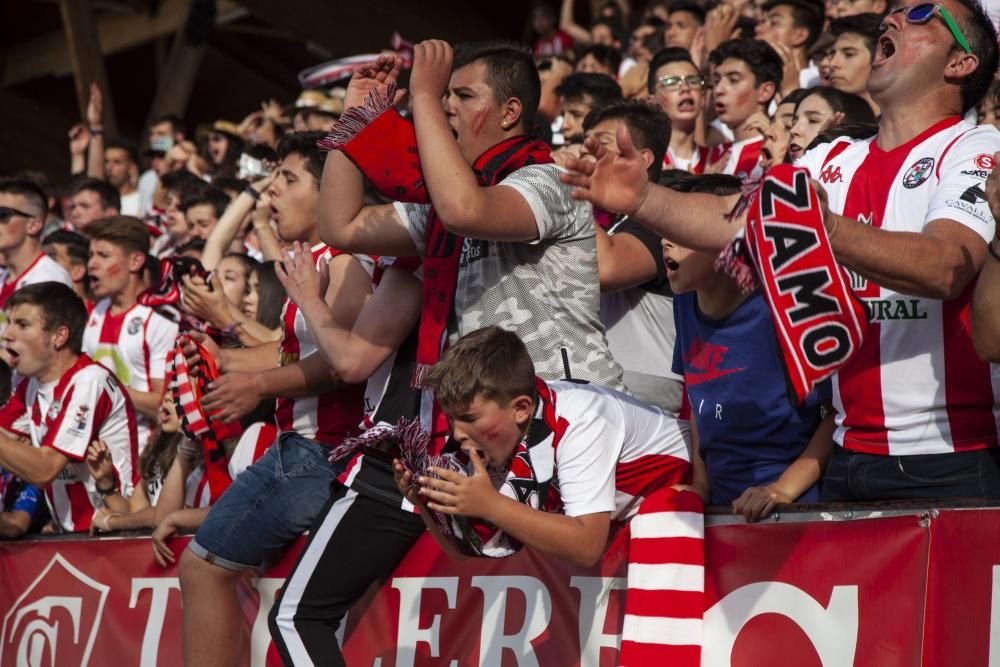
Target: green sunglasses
[[924, 12]]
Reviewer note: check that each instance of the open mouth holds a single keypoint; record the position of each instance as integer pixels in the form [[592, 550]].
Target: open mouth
[[671, 264], [13, 355], [795, 151], [719, 108], [884, 49], [686, 105]]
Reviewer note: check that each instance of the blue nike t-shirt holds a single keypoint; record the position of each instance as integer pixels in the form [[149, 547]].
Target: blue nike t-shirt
[[748, 430]]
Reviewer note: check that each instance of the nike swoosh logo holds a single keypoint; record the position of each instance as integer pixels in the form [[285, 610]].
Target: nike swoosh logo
[[697, 378]]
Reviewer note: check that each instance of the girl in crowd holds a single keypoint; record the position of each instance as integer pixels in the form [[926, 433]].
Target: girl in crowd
[[824, 108]]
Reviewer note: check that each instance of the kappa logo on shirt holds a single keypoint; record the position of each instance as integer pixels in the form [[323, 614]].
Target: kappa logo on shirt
[[706, 359], [831, 174]]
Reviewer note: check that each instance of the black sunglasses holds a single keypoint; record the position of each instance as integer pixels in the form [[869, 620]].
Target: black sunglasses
[[6, 213]]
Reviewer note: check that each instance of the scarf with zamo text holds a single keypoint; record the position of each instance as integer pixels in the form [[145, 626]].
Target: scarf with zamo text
[[383, 145], [818, 320]]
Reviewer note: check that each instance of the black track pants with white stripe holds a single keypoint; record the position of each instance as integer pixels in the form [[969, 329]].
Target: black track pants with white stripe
[[355, 541]]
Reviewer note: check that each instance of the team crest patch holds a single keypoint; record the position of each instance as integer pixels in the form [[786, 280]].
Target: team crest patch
[[55, 408], [134, 325], [918, 173]]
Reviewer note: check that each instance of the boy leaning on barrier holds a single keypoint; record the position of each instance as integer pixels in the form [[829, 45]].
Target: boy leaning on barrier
[[560, 466]]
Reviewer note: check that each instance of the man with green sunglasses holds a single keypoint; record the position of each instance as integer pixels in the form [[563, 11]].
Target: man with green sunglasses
[[906, 213], [924, 12]]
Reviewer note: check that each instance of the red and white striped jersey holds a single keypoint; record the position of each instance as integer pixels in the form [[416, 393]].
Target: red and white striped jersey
[[613, 450], [43, 269], [87, 403], [695, 164], [744, 157], [916, 386], [134, 344], [329, 417]]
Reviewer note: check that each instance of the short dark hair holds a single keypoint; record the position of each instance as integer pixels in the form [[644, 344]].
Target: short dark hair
[[60, 306], [107, 193], [608, 56], [31, 193], [125, 231], [809, 14], [194, 245], [692, 8], [77, 245], [648, 126], [614, 26], [40, 179], [600, 88], [510, 72], [981, 34], [671, 54], [125, 145], [795, 96], [865, 26], [491, 363], [854, 107], [762, 60], [176, 124], [721, 185], [304, 145], [180, 181], [209, 194]]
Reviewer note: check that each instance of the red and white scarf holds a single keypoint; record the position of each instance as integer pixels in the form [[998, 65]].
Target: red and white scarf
[[784, 247], [189, 385]]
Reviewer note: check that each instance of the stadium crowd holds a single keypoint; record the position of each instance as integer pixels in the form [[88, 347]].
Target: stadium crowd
[[495, 305]]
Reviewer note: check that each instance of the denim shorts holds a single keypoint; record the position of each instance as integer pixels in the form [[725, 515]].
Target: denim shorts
[[268, 505]]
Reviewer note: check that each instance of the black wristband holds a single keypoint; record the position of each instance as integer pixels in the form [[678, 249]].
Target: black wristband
[[993, 251], [107, 492], [253, 193]]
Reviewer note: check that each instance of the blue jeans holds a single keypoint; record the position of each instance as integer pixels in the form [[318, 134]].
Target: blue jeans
[[268, 505], [853, 476]]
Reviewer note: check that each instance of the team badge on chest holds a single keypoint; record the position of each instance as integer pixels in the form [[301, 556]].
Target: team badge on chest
[[918, 173], [134, 325]]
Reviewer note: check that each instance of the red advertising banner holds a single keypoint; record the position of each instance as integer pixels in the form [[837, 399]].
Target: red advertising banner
[[902, 590]]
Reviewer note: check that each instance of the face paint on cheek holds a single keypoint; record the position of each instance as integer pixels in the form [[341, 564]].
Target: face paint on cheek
[[113, 270], [479, 122]]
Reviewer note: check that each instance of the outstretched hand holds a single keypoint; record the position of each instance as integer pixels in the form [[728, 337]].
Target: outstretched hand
[[378, 75], [451, 492], [615, 181]]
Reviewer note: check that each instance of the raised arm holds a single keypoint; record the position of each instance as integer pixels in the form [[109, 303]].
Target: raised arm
[[492, 213], [344, 221], [619, 183], [568, 24], [225, 230], [95, 153]]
